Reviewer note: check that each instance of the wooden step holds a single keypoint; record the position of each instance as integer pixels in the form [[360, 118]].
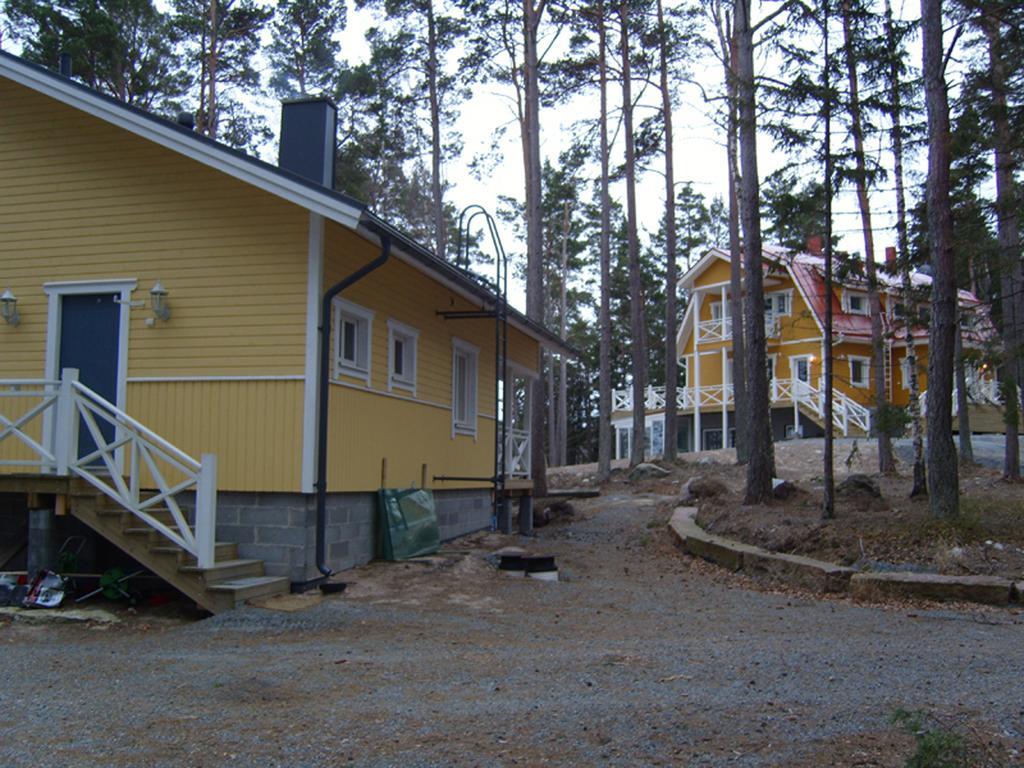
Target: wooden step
[[228, 570], [230, 582], [237, 591], [223, 550]]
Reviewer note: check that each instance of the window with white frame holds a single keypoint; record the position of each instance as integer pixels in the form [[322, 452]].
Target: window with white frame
[[716, 310], [770, 359], [778, 304], [856, 303], [464, 386], [860, 367], [353, 332], [402, 342]]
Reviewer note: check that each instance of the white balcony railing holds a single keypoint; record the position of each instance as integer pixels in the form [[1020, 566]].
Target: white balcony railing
[[152, 461], [846, 412], [517, 453], [720, 329]]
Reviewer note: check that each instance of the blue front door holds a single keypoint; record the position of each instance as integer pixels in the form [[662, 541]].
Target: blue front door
[[89, 339]]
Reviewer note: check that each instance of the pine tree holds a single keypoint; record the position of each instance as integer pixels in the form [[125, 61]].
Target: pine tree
[[303, 52], [943, 480], [125, 48], [221, 39]]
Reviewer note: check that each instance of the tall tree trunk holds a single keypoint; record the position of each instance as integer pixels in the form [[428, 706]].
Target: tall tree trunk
[[638, 346], [909, 302], [943, 481], [739, 361], [563, 385], [440, 225], [604, 386], [671, 276], [1008, 234], [828, 505], [886, 462], [963, 416], [761, 466], [534, 226], [211, 75]]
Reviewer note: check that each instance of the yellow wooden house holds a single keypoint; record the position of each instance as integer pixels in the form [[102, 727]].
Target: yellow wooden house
[[794, 292], [160, 348]]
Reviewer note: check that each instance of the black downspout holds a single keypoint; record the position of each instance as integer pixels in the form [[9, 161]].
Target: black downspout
[[323, 392]]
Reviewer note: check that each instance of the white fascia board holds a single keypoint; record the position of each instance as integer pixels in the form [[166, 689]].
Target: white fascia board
[[185, 144]]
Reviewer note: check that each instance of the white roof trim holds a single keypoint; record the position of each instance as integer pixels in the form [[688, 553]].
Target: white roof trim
[[165, 135]]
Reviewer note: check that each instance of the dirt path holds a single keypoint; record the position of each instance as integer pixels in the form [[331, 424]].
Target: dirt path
[[642, 657]]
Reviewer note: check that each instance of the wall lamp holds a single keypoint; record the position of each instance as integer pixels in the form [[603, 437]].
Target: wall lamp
[[9, 308], [158, 303]]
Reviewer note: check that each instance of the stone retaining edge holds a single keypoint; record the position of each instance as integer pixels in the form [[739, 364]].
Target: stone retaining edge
[[820, 576]]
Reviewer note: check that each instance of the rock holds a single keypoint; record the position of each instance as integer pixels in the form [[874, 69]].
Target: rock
[[784, 489], [702, 488], [552, 513], [707, 461], [646, 471], [859, 485]]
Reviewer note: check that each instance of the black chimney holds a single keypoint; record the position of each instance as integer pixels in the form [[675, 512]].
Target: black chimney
[[65, 64], [308, 128], [187, 120]]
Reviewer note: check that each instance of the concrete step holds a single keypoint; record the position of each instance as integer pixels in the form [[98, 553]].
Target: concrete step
[[228, 570], [237, 591]]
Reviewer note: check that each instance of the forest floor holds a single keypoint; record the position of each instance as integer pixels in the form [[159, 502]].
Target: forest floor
[[888, 532]]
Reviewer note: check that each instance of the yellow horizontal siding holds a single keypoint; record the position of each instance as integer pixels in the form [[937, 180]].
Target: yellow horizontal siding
[[83, 200], [367, 427], [12, 407], [254, 427], [399, 292]]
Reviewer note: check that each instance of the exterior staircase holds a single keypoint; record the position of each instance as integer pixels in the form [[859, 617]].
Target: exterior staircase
[[226, 584], [104, 484]]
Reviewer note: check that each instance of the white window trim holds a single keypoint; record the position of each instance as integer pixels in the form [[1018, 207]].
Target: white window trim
[[788, 293], [847, 293], [866, 362], [774, 358], [410, 334], [344, 307], [469, 428]]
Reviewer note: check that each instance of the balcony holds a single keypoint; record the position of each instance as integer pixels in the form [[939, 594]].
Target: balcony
[[720, 329]]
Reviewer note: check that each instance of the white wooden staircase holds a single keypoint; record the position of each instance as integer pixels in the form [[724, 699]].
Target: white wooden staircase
[[132, 489]]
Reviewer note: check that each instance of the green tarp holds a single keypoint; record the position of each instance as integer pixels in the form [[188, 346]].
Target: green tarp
[[408, 524]]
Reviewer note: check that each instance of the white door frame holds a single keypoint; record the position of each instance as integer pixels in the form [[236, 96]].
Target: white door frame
[[55, 291]]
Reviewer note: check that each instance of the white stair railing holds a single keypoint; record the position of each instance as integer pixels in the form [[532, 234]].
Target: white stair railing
[[152, 461]]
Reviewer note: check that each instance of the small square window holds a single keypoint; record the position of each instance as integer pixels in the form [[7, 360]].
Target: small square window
[[353, 327], [857, 303], [402, 356]]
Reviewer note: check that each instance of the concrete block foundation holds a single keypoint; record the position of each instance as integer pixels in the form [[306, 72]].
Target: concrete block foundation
[[280, 528]]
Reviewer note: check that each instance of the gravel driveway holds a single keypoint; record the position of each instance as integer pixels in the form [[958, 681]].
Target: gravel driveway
[[643, 657]]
